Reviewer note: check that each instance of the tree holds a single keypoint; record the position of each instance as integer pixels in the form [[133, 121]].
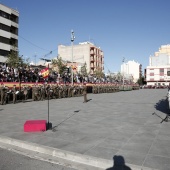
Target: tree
[[99, 74], [13, 59], [141, 81], [119, 77], [59, 64], [84, 69]]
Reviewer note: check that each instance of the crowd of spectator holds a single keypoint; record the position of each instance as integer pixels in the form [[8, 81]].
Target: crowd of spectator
[[33, 74], [13, 74]]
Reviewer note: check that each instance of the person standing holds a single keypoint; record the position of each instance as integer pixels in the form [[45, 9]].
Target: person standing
[[85, 93], [2, 90], [14, 91]]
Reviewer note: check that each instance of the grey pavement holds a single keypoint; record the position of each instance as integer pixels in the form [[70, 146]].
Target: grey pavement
[[15, 161], [126, 124]]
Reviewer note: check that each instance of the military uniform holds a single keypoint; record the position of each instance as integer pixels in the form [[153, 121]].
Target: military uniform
[[60, 93], [42, 92], [85, 93], [2, 90], [14, 95]]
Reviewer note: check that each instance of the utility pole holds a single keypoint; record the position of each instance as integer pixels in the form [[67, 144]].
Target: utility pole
[[72, 40]]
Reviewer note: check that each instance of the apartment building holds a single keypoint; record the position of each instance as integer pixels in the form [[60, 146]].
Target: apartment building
[[9, 19], [158, 71], [131, 70], [85, 52]]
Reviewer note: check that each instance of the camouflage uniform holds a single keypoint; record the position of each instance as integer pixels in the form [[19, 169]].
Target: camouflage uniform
[[14, 95], [2, 90], [85, 93]]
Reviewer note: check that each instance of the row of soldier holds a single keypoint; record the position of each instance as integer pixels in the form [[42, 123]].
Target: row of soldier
[[7, 94], [105, 88], [50, 91], [56, 91], [39, 92]]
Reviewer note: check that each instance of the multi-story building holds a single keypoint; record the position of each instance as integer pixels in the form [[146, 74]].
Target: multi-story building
[[131, 70], [158, 71], [8, 31], [85, 52]]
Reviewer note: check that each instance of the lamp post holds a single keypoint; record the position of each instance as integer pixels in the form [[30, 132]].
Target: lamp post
[[48, 90], [20, 64], [123, 72], [72, 40]]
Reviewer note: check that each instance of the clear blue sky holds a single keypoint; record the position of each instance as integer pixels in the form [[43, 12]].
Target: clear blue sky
[[133, 29]]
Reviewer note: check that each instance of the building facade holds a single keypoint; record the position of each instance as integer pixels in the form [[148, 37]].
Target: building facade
[[158, 71], [131, 70], [85, 52], [9, 19]]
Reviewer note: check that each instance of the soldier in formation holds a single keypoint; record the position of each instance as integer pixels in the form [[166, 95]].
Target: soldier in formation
[[105, 88], [52, 91], [3, 94]]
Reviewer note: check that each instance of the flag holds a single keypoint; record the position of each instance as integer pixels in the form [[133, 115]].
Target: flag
[[45, 73], [74, 67]]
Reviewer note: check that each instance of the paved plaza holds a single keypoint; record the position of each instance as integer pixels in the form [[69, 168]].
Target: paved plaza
[[126, 124]]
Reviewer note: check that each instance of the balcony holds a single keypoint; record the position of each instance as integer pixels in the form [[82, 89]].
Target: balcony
[[92, 60], [14, 24], [92, 52], [14, 36], [92, 66]]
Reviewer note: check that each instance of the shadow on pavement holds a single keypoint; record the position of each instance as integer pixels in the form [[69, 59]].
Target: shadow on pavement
[[119, 163], [88, 100], [163, 106], [54, 127]]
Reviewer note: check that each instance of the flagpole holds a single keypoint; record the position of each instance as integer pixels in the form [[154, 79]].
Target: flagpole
[[48, 103], [45, 73]]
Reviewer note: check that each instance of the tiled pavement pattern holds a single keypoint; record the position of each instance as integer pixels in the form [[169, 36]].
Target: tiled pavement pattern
[[123, 123]]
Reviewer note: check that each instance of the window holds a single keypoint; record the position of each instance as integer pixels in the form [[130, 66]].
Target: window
[[168, 73], [161, 70]]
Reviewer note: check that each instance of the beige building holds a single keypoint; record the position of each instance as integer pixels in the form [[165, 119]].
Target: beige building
[[158, 71], [8, 31], [85, 52]]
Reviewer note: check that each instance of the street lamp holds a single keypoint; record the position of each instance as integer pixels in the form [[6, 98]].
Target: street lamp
[[123, 72], [72, 40], [20, 64]]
